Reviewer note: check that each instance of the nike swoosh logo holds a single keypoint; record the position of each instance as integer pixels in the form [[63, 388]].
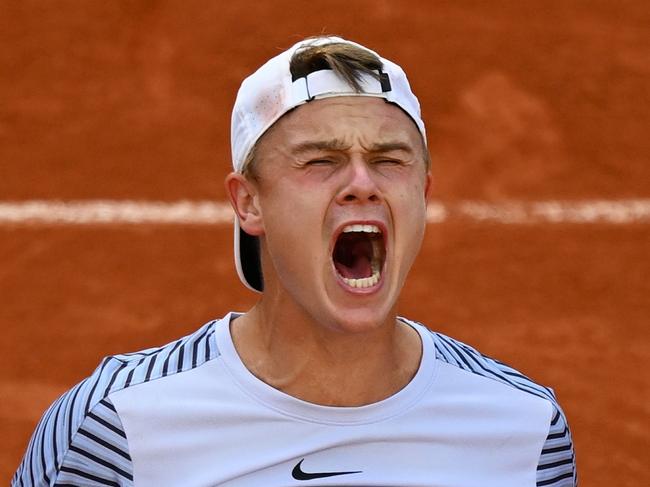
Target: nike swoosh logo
[[298, 474]]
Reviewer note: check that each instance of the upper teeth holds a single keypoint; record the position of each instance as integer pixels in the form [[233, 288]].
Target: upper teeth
[[361, 228]]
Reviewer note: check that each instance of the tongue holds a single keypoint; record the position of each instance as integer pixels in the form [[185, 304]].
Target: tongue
[[353, 262]]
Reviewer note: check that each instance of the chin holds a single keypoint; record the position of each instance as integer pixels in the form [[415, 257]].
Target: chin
[[349, 311], [357, 319]]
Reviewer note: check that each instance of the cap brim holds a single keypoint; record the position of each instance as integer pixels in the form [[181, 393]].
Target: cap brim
[[247, 259]]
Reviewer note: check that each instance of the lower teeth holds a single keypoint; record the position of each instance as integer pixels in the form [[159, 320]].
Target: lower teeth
[[364, 281]]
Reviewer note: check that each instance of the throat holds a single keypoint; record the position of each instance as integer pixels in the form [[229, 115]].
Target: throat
[[330, 368], [370, 379]]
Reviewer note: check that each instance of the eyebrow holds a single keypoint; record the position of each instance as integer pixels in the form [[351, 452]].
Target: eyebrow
[[312, 145], [390, 146], [339, 145]]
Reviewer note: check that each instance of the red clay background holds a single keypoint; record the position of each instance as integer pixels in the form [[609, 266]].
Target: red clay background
[[523, 101]]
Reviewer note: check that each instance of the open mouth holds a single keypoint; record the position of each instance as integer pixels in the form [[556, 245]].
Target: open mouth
[[359, 255]]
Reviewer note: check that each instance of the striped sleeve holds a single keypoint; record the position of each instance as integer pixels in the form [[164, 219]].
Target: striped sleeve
[[79, 441], [99, 453], [557, 465]]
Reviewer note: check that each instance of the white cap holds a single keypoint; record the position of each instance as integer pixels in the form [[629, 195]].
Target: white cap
[[270, 92]]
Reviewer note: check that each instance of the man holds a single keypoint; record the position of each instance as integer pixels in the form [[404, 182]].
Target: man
[[320, 383]]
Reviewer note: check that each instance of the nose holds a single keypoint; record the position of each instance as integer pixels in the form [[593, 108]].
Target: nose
[[359, 184]]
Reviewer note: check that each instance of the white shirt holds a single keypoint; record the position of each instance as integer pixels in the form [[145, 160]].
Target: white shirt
[[191, 414]]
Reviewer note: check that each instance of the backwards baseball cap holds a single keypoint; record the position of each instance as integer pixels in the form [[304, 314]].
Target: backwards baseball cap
[[272, 91]]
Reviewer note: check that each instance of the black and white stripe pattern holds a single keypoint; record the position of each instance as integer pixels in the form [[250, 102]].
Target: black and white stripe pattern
[[80, 440], [556, 466]]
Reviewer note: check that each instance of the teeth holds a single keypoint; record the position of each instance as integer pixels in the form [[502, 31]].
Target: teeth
[[375, 265], [365, 281], [376, 252], [361, 228]]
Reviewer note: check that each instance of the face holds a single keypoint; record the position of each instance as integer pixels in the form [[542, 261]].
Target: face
[[340, 204]]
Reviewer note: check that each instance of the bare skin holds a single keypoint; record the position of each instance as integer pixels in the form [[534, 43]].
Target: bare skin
[[331, 371], [328, 164]]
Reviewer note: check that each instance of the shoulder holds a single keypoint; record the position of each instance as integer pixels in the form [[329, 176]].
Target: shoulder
[[118, 372], [470, 360], [556, 466], [80, 438]]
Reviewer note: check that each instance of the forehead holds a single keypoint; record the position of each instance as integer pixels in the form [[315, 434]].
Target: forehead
[[347, 118]]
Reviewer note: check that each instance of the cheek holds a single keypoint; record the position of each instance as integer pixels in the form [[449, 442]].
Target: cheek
[[412, 214], [293, 223], [413, 195]]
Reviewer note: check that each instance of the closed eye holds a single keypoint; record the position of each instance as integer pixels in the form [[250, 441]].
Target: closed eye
[[319, 162], [388, 161]]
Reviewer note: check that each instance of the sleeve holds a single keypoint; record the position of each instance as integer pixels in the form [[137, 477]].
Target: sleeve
[[557, 465], [79, 441]]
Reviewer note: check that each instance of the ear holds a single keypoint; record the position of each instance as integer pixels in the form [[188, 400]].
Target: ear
[[427, 185], [244, 198]]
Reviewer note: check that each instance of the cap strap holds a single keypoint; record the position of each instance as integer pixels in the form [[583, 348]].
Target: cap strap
[[326, 83]]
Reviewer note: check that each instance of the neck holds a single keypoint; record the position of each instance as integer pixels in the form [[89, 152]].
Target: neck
[[304, 358]]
